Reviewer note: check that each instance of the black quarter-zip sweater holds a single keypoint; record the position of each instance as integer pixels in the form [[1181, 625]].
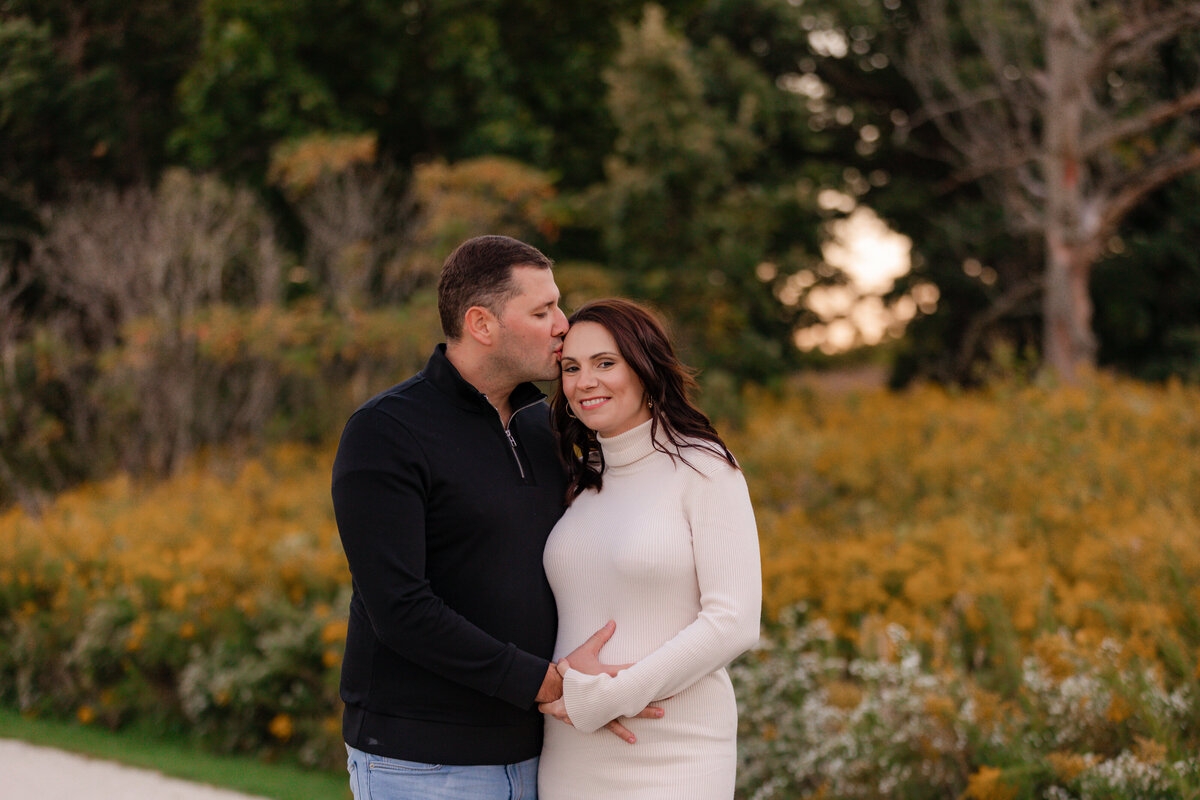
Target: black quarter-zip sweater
[[443, 515]]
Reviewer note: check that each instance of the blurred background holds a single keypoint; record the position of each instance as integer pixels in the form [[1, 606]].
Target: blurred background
[[938, 263]]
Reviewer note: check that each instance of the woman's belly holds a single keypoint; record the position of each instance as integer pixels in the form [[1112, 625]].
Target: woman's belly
[[693, 745], [697, 725]]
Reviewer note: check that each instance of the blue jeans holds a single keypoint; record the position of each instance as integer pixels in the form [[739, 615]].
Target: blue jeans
[[380, 778]]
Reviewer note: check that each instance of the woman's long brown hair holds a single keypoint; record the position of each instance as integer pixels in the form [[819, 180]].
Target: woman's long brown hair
[[643, 342]]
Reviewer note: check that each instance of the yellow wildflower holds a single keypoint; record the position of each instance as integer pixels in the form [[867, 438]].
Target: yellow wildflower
[[1068, 766], [987, 784], [334, 631], [281, 727]]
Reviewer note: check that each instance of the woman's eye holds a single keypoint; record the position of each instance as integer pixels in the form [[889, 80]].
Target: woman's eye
[[570, 369]]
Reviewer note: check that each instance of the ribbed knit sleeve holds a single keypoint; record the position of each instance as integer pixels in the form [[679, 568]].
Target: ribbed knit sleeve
[[725, 547]]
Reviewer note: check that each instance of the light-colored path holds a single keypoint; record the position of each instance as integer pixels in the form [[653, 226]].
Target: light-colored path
[[29, 772]]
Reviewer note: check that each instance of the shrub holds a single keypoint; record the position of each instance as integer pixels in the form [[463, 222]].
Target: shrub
[[977, 595]]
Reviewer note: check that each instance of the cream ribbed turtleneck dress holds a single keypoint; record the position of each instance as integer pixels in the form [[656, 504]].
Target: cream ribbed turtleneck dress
[[670, 552]]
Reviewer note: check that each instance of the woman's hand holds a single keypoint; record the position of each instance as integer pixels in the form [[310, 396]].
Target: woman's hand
[[586, 657], [558, 710]]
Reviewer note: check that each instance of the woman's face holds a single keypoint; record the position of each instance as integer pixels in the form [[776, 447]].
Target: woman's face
[[600, 387]]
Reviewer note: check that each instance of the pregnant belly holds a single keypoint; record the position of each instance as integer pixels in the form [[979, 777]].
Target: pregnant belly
[[706, 711], [693, 745]]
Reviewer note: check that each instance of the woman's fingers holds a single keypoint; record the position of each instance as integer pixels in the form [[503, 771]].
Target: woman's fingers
[[650, 712], [618, 729], [556, 709]]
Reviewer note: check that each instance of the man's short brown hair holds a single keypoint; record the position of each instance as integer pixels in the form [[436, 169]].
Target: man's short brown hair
[[479, 273]]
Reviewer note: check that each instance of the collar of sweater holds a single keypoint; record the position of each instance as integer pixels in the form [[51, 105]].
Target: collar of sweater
[[442, 374], [629, 447]]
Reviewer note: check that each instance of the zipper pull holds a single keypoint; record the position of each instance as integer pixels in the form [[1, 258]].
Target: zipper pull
[[511, 440]]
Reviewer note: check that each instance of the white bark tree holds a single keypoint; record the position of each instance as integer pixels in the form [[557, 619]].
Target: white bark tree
[[1067, 114]]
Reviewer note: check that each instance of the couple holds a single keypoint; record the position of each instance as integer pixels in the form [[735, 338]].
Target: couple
[[566, 582]]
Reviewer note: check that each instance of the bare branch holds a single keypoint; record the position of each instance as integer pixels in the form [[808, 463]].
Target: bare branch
[[961, 114], [1146, 121], [1130, 42], [1010, 159], [1139, 186], [1004, 305], [958, 104]]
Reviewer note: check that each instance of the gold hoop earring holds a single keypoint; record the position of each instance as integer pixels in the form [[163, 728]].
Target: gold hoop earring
[[569, 414]]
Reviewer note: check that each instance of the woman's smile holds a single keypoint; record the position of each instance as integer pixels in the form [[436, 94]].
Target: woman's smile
[[600, 386]]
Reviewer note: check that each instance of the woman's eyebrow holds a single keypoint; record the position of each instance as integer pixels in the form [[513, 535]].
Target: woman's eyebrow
[[592, 356]]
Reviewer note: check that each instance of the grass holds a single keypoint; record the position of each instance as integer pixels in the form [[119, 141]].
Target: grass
[[139, 748]]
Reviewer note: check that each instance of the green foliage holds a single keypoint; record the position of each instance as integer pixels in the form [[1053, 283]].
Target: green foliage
[[32, 88], [704, 142], [434, 79], [88, 94], [690, 209], [251, 86]]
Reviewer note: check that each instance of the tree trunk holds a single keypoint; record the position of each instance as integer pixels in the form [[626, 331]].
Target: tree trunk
[[1068, 339], [1068, 342]]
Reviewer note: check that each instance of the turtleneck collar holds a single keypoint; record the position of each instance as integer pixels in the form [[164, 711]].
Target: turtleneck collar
[[626, 448]]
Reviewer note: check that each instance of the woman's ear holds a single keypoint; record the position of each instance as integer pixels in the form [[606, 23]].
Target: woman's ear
[[480, 324]]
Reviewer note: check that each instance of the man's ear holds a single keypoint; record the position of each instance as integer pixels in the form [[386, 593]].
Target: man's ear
[[480, 324]]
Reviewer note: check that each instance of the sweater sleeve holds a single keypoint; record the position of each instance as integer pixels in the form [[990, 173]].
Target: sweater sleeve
[[380, 482], [729, 575]]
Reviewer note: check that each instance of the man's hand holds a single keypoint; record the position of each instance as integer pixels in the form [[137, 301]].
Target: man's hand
[[551, 687], [558, 708]]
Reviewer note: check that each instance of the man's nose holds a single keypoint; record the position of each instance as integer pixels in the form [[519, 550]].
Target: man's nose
[[560, 323]]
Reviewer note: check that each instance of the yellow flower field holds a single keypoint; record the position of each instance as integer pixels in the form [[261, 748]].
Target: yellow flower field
[[213, 602], [976, 594], [1077, 508]]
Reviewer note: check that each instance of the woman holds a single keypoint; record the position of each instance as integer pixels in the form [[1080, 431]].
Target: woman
[[659, 536]]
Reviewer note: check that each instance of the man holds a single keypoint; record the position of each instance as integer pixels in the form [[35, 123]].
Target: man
[[445, 488]]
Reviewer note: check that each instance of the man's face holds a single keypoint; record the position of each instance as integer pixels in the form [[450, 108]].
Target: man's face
[[532, 327]]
